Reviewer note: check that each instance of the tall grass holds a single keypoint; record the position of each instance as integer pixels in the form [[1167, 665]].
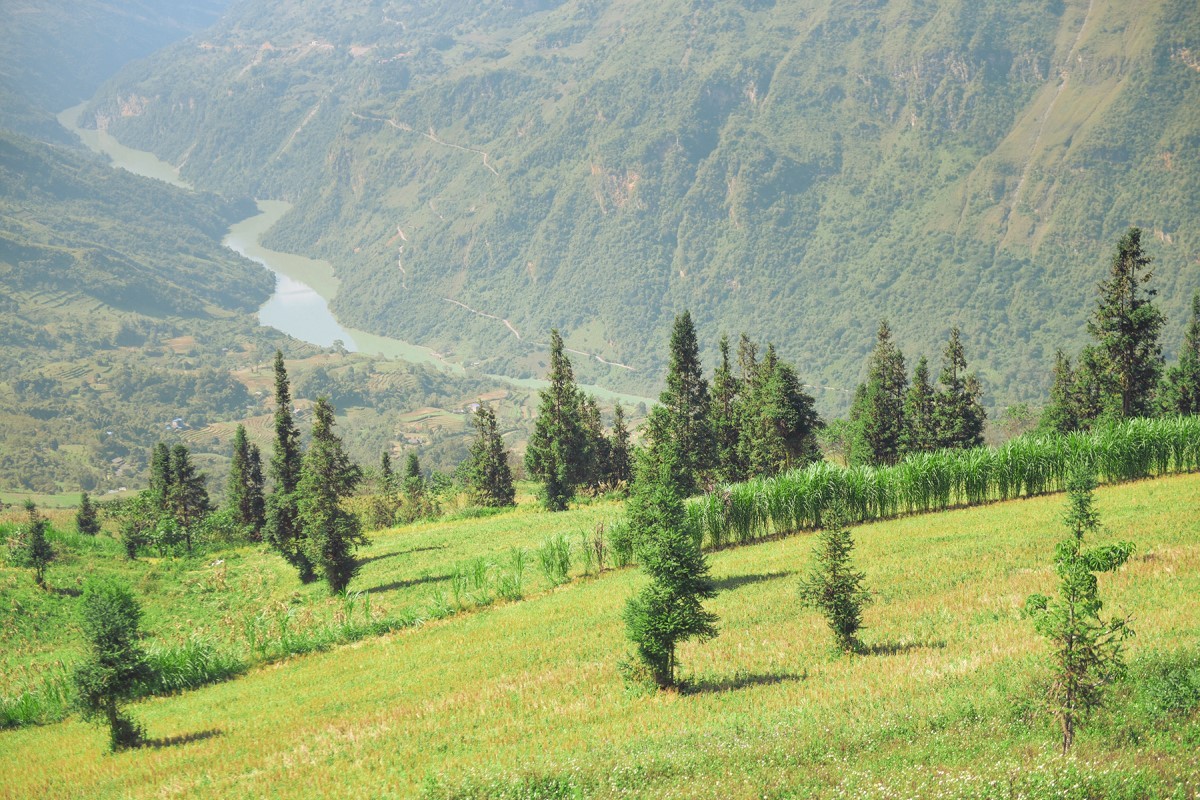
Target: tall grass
[[1023, 467]]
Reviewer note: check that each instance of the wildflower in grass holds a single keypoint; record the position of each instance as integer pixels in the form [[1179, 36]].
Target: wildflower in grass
[[667, 610], [1088, 650], [833, 586], [115, 665]]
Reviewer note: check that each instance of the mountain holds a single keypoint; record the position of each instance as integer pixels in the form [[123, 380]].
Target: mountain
[[796, 169], [57, 54]]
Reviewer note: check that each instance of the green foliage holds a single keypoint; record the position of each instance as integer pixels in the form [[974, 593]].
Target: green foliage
[[31, 549], [668, 610], [87, 518], [554, 557], [1180, 393], [1088, 651], [1126, 327], [283, 529], [330, 533], [488, 474], [834, 587], [558, 448], [244, 486], [680, 422], [958, 414], [115, 664], [879, 403]]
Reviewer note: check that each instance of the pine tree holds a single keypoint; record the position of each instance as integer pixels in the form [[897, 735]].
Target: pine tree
[[244, 487], [35, 551], [330, 533], [1088, 650], [556, 451], [723, 421], [920, 428], [115, 665], [681, 417], [488, 473], [282, 530], [1061, 415], [776, 420], [879, 406], [160, 475], [187, 499], [87, 520], [834, 587], [620, 456], [1126, 327], [958, 411], [387, 477], [1181, 389], [595, 457], [668, 610]]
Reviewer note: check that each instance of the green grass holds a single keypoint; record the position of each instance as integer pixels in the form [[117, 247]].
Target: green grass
[[523, 699]]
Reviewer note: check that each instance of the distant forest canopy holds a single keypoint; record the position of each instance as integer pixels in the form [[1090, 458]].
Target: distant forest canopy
[[795, 170]]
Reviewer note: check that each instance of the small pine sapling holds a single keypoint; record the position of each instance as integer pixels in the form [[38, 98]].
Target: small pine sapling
[[37, 552], [834, 587], [87, 520], [1088, 651]]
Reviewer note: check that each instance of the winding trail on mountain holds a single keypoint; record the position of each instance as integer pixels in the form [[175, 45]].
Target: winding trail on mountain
[[401, 126]]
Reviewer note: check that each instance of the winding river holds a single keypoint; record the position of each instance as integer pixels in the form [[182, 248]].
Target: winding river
[[304, 286]]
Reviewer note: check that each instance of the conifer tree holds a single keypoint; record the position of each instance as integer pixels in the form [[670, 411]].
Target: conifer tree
[[282, 530], [1126, 327], [1088, 650], [920, 427], [330, 533], [115, 665], [722, 419], [833, 586], [160, 475], [681, 417], [35, 551], [488, 473], [556, 451], [668, 610], [776, 420], [1061, 414], [1181, 389], [387, 476], [187, 499], [595, 456], [244, 488], [87, 520], [878, 410], [958, 409], [620, 457]]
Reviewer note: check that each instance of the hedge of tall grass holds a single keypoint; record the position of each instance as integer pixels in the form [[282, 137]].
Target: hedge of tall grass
[[1023, 467]]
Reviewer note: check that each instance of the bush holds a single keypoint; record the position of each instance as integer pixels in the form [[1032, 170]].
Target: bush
[[555, 559]]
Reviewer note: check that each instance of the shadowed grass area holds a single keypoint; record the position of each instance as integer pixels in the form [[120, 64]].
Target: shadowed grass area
[[524, 699]]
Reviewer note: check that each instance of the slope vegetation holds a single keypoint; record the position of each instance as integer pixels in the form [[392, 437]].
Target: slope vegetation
[[796, 169], [523, 699]]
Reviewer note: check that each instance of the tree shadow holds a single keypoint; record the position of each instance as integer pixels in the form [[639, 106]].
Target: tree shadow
[[736, 581], [186, 738], [394, 553], [739, 680], [899, 648], [66, 591], [387, 587]]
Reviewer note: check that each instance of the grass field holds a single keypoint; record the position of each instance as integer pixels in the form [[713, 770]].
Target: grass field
[[524, 699]]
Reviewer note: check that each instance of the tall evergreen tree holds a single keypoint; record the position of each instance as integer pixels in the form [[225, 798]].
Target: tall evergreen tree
[[668, 610], [387, 476], [1096, 394], [330, 533], [488, 473], [620, 456], [1087, 649], [879, 406], [1061, 414], [1126, 327], [244, 487], [833, 586], [87, 521], [920, 427], [776, 420], [160, 475], [595, 456], [958, 409], [556, 454], [722, 419], [282, 530], [187, 499], [1181, 389], [682, 414]]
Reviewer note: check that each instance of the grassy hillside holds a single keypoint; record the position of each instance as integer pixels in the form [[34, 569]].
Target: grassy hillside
[[796, 169], [523, 699]]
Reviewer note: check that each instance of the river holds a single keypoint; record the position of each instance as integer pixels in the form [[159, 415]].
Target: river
[[304, 286]]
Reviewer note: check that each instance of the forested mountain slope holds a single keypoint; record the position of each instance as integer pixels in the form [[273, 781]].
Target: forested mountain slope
[[797, 169]]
